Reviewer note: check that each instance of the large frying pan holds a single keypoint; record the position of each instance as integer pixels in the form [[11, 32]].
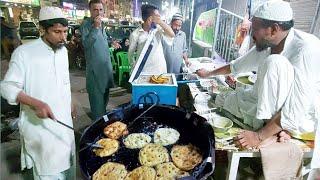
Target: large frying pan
[[192, 128]]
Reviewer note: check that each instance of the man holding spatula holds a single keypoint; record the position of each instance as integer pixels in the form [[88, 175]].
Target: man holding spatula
[[38, 79]]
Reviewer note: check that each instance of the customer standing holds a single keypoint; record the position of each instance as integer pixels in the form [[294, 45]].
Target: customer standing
[[99, 72], [38, 79], [156, 63], [178, 51]]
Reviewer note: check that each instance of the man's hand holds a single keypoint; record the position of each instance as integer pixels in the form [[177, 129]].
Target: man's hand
[[247, 139], [116, 44], [73, 111], [203, 73], [188, 63], [43, 110], [97, 22], [231, 81], [157, 19], [284, 136]]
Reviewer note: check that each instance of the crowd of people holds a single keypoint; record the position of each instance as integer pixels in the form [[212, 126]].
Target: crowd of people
[[283, 102]]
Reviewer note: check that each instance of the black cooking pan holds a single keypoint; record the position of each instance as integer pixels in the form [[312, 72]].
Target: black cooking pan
[[192, 129]]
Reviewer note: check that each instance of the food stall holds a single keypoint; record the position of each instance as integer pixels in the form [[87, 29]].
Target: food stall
[[226, 126], [153, 110], [149, 137]]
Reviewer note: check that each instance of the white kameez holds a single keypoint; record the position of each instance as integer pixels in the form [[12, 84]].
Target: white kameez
[[301, 110], [43, 74], [267, 96], [156, 63]]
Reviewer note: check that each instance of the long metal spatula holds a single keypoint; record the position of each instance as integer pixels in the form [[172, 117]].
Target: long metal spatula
[[65, 125]]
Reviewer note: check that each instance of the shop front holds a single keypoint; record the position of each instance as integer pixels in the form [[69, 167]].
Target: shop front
[[20, 10], [75, 12]]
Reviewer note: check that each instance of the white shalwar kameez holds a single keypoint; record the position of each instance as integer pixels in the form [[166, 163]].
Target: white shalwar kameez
[[300, 112], [156, 63], [267, 95], [43, 74]]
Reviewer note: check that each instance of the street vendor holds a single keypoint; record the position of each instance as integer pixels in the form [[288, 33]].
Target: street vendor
[[298, 110], [38, 79]]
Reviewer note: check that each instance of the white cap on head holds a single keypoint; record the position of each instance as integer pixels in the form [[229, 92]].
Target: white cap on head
[[275, 10], [49, 12], [177, 16]]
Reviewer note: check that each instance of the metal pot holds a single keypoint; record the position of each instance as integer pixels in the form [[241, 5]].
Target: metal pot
[[192, 128]]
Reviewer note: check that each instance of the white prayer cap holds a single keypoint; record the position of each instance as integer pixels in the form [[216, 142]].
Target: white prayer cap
[[49, 12], [177, 16], [275, 10]]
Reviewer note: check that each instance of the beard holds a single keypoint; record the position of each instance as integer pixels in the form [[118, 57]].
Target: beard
[[54, 46], [263, 45], [57, 46], [175, 31]]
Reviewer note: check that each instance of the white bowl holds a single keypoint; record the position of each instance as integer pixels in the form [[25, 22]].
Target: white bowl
[[221, 124], [252, 78]]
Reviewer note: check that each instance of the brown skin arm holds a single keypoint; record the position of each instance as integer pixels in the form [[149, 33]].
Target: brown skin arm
[[248, 139], [186, 60], [41, 109], [220, 71], [73, 111], [166, 28]]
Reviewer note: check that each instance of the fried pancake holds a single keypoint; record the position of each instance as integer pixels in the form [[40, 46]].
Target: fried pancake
[[136, 140], [142, 173], [186, 157], [115, 130], [169, 171], [153, 154], [110, 146], [110, 171], [166, 136]]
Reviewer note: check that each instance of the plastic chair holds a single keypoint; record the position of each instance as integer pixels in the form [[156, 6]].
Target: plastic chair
[[113, 61], [123, 64]]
